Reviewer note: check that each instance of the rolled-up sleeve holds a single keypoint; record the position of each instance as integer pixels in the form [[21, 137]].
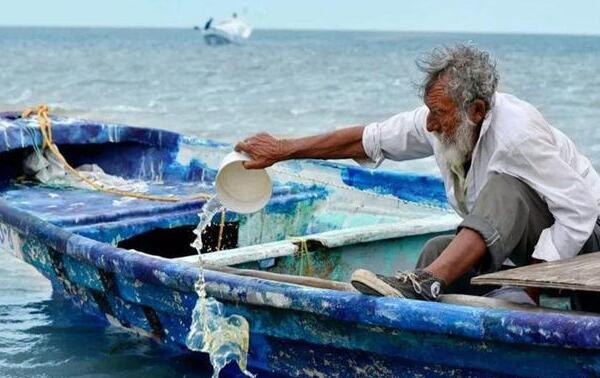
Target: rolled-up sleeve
[[538, 163], [401, 137]]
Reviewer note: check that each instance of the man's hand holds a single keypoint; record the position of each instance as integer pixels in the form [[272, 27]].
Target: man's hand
[[264, 150]]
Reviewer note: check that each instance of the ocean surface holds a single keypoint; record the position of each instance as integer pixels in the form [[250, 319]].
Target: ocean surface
[[287, 83]]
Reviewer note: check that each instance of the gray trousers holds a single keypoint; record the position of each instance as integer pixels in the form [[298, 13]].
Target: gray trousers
[[510, 217]]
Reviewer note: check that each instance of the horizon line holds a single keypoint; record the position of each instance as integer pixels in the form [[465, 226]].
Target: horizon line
[[191, 27]]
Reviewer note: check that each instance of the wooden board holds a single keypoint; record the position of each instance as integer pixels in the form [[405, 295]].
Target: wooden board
[[496, 303], [578, 273]]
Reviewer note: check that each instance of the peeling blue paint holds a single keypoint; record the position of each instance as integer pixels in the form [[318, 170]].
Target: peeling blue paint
[[407, 186]]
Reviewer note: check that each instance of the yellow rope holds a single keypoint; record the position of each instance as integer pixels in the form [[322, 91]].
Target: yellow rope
[[221, 228], [47, 143], [305, 268], [45, 125]]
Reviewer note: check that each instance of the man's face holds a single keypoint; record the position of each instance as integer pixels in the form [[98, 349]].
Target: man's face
[[454, 129], [443, 118]]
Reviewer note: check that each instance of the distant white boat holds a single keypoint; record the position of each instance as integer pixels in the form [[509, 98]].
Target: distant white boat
[[233, 30]]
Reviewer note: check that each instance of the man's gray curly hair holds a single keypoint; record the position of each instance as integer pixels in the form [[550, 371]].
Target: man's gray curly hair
[[471, 73]]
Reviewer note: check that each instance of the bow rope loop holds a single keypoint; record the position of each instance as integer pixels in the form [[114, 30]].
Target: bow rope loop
[[41, 113], [43, 120], [305, 268], [45, 125]]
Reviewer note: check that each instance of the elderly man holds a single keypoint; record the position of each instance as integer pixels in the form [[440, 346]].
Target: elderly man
[[523, 190]]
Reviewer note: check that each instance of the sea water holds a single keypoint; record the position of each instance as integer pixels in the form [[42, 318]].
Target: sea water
[[224, 338]]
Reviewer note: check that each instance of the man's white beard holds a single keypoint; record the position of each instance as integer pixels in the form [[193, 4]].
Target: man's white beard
[[456, 149]]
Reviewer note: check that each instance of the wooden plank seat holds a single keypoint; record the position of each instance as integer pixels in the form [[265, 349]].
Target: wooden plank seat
[[577, 273]]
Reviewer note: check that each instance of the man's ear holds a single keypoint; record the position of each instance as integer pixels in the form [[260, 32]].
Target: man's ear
[[477, 110]]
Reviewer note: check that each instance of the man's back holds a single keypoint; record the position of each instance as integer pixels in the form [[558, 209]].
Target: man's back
[[516, 127]]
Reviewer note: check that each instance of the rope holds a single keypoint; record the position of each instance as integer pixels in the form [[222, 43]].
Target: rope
[[305, 267], [45, 125], [221, 228]]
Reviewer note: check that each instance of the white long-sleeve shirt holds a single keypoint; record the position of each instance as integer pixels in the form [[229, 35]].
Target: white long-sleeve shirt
[[515, 139]]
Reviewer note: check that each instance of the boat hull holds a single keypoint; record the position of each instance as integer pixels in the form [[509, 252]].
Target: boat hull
[[294, 330], [155, 298]]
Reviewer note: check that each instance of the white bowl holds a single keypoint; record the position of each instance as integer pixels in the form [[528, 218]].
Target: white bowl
[[239, 189]]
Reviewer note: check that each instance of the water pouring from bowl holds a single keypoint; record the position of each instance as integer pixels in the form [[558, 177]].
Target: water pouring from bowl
[[225, 338]]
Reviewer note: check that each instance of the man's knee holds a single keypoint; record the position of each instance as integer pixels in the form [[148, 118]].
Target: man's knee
[[433, 249], [510, 217]]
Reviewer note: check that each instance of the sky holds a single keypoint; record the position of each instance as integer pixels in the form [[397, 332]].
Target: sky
[[491, 16]]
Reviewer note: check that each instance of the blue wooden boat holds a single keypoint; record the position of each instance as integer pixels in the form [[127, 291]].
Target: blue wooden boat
[[128, 261]]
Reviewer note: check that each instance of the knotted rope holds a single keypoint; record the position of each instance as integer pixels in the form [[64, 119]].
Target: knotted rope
[[41, 112]]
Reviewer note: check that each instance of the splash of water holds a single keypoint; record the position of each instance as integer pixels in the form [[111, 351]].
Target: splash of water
[[224, 338]]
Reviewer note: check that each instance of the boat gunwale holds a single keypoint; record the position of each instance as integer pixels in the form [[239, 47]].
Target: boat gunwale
[[62, 133], [328, 239]]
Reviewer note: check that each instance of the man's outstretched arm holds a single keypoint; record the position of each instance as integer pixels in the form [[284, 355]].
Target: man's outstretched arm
[[266, 150]]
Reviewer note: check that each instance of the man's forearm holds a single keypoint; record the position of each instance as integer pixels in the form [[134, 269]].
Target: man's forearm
[[339, 144], [266, 150]]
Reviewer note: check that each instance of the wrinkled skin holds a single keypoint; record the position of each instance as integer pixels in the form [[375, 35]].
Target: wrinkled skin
[[444, 116], [264, 149]]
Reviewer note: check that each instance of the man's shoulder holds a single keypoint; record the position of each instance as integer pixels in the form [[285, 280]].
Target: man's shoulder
[[512, 107], [515, 121]]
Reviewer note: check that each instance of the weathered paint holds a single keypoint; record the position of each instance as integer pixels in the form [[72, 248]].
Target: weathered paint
[[296, 330], [410, 187], [338, 263]]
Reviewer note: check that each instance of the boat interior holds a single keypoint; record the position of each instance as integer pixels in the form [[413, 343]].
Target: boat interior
[[315, 224]]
